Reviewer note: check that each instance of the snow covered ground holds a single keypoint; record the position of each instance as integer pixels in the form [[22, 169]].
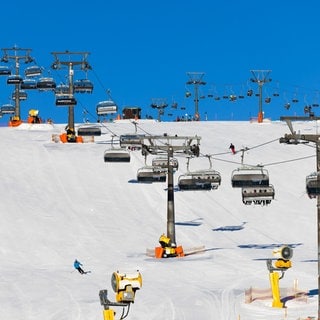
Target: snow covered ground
[[62, 201]]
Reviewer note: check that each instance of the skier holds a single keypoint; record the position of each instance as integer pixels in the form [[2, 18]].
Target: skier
[[232, 148], [77, 265]]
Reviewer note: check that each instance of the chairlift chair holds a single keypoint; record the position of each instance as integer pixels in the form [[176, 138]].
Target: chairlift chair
[[163, 162], [33, 71], [207, 179], [249, 176], [61, 90], [89, 131], [5, 71], [151, 174], [46, 84], [199, 180], [14, 79], [28, 84], [22, 95], [83, 86], [262, 195], [132, 141], [66, 101], [8, 109], [106, 107], [116, 155], [313, 185]]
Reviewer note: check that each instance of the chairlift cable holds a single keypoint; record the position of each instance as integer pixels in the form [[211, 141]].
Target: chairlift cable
[[291, 160], [262, 144], [101, 123]]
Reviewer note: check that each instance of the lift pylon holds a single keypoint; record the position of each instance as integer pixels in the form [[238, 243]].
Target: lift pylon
[[196, 81], [260, 77], [70, 60], [159, 104], [169, 145], [16, 54], [296, 138]]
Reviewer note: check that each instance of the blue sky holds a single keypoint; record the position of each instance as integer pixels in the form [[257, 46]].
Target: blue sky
[[143, 50]]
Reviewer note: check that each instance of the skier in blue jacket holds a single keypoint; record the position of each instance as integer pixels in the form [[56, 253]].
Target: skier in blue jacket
[[77, 265]]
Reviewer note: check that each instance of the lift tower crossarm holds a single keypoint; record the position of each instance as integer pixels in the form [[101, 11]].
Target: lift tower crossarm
[[160, 144], [311, 138]]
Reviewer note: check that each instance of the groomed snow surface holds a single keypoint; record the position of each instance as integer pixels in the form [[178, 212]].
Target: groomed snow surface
[[61, 201]]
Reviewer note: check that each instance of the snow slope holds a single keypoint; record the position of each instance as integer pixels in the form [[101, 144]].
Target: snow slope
[[62, 201]]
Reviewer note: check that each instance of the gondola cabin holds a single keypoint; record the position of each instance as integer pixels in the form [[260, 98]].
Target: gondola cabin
[[83, 86], [116, 155], [262, 195], [313, 185], [206, 180], [106, 107], [247, 177], [149, 174]]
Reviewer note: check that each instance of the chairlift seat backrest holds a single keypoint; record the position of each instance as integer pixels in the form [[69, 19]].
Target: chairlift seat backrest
[[65, 101], [116, 155], [7, 109], [163, 162], [46, 84], [258, 194], [244, 177], [28, 84], [313, 185], [151, 174], [89, 131], [14, 79], [5, 71], [83, 86], [32, 71], [200, 180], [106, 107]]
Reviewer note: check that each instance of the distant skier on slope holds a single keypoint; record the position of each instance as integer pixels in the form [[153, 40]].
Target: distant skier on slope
[[77, 265], [232, 148]]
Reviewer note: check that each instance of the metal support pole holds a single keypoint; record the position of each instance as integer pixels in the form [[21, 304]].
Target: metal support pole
[[260, 77], [318, 223], [17, 111], [170, 205], [316, 139], [260, 102], [196, 99], [196, 80], [71, 108]]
